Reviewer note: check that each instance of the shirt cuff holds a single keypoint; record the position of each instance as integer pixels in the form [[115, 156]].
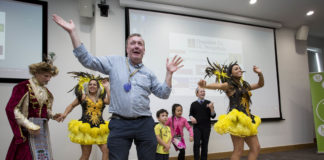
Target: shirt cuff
[[80, 50], [167, 88]]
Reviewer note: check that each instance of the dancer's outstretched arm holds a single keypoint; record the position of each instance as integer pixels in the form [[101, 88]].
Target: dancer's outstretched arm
[[106, 85], [260, 84], [221, 86], [68, 109]]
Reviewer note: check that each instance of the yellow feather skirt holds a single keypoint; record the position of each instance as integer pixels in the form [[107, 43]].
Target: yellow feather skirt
[[237, 123], [83, 134]]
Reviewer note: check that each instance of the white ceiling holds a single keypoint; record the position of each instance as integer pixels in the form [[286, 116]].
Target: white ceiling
[[290, 13]]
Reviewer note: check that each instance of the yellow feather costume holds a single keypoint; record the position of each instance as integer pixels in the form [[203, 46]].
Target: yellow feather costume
[[239, 121], [90, 128]]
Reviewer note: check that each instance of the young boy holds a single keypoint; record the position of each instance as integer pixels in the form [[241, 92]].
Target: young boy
[[163, 135]]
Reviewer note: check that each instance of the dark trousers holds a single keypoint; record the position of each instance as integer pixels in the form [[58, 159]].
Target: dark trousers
[[159, 156], [124, 132], [182, 154], [201, 138]]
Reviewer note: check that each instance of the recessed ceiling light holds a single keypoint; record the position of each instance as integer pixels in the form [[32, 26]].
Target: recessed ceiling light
[[253, 1], [309, 13]]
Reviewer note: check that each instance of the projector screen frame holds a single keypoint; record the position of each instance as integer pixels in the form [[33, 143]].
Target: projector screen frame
[[127, 33], [44, 6]]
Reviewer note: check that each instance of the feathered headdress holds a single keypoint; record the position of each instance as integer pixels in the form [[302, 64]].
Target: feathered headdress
[[223, 74], [82, 86], [218, 70]]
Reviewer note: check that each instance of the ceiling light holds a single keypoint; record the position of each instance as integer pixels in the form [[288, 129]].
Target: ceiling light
[[253, 1], [309, 13]]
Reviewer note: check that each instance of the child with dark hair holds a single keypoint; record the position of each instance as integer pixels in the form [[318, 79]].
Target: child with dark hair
[[163, 135], [177, 123]]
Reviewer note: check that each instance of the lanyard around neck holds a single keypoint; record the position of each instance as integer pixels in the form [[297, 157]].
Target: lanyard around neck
[[131, 74]]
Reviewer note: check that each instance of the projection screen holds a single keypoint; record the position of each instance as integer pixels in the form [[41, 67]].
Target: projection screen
[[195, 39], [23, 37]]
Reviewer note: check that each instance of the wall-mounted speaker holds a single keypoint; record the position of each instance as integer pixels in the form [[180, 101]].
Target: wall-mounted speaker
[[302, 33], [86, 8]]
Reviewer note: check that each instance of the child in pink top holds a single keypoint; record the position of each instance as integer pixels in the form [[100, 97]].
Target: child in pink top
[[177, 123]]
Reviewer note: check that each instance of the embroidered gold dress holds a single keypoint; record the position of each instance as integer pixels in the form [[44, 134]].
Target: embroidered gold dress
[[239, 121], [90, 128]]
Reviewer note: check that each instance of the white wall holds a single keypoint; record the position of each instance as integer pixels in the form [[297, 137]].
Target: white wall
[[106, 36]]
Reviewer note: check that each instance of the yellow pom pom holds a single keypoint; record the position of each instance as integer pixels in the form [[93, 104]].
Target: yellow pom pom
[[75, 130], [72, 123], [221, 117], [257, 120], [73, 126], [83, 134], [233, 116], [222, 124], [244, 119], [94, 132], [77, 138], [88, 140], [103, 129], [237, 123], [85, 128], [101, 140]]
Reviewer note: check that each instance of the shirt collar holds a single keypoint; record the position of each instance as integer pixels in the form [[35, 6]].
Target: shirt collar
[[200, 100], [36, 81], [176, 118], [163, 125], [137, 66]]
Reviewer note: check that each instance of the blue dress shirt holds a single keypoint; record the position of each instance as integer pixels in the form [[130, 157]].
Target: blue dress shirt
[[134, 103]]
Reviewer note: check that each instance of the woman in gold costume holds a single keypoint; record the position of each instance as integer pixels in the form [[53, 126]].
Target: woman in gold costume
[[239, 122], [93, 94]]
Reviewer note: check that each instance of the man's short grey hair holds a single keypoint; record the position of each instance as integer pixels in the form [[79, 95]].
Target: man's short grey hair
[[134, 35]]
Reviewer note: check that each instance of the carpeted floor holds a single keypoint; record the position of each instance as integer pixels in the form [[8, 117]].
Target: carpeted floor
[[300, 154]]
